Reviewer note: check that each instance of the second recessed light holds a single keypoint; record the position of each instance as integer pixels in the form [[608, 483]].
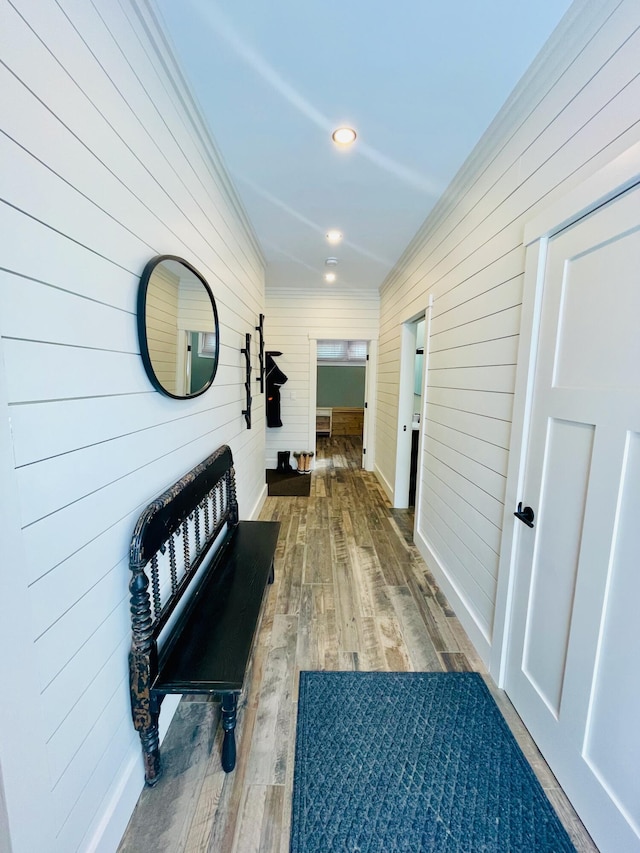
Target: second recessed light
[[344, 136], [330, 277]]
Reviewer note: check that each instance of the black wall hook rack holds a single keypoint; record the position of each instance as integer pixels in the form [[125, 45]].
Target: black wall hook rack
[[260, 331], [247, 382]]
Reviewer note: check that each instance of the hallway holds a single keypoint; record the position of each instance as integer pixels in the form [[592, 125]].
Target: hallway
[[351, 592]]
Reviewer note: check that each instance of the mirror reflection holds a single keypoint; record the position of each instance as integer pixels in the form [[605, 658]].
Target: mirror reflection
[[178, 327]]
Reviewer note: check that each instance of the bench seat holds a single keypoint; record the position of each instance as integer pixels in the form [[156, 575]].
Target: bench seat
[[214, 640]]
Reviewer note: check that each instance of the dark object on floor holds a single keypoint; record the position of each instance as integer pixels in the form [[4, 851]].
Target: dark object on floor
[[274, 378], [207, 647], [284, 466], [413, 762], [289, 485]]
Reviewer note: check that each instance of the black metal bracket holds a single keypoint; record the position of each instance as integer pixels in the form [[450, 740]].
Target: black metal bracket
[[247, 381], [260, 331], [525, 515]]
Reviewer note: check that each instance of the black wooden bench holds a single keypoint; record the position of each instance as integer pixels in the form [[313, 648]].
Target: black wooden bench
[[193, 629]]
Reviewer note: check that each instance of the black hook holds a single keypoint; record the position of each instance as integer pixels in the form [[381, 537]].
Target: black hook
[[525, 515]]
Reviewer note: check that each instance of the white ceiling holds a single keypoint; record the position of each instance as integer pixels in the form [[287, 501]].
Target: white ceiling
[[420, 81]]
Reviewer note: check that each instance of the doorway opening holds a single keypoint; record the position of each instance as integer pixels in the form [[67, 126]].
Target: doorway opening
[[341, 390], [342, 384], [410, 409]]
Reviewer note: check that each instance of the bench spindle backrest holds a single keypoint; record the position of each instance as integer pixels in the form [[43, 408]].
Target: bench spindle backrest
[[171, 539]]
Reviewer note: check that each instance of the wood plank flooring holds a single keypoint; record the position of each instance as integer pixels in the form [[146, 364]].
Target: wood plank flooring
[[351, 593]]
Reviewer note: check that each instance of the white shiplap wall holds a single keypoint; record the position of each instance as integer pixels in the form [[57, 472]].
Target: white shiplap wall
[[105, 163], [291, 320], [576, 108]]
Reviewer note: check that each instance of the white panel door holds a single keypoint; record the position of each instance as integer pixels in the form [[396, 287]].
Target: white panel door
[[573, 669]]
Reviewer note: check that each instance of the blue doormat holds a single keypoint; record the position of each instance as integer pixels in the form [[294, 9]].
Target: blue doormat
[[413, 761]]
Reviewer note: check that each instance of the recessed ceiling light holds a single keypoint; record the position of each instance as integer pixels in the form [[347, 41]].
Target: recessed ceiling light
[[334, 236], [330, 277], [344, 136]]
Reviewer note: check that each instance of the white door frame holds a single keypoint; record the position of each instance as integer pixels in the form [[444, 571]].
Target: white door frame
[[405, 413], [406, 391], [371, 373], [607, 183], [423, 418]]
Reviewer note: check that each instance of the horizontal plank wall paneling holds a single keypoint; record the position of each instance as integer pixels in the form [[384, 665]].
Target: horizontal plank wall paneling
[[576, 108], [106, 163], [292, 319]]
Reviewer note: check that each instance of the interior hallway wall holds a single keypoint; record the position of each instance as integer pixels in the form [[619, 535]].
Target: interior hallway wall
[[105, 163], [576, 108], [292, 319]]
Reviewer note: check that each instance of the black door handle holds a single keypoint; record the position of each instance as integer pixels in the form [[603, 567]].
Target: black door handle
[[525, 515]]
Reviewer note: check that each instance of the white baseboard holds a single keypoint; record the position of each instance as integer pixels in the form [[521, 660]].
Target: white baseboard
[[106, 831], [255, 512], [386, 485], [456, 599]]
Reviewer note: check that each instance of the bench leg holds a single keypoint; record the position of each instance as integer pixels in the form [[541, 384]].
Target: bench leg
[[145, 709], [150, 740], [229, 711]]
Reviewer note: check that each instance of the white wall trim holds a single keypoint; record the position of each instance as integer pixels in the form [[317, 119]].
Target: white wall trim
[[527, 351], [386, 485], [257, 507], [614, 178], [371, 399], [107, 834], [405, 414], [313, 391], [275, 291], [455, 597], [423, 412]]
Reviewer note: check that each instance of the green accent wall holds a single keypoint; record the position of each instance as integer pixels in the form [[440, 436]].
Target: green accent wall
[[200, 367], [340, 386]]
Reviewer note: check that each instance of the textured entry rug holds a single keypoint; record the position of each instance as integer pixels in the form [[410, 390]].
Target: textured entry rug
[[291, 484], [412, 762]]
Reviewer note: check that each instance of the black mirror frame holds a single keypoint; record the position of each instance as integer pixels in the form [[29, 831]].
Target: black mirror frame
[[142, 326]]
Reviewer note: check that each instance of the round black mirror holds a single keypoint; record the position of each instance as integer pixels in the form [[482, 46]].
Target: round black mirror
[[177, 327]]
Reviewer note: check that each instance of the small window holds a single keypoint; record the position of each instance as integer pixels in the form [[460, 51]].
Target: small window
[[342, 352]]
